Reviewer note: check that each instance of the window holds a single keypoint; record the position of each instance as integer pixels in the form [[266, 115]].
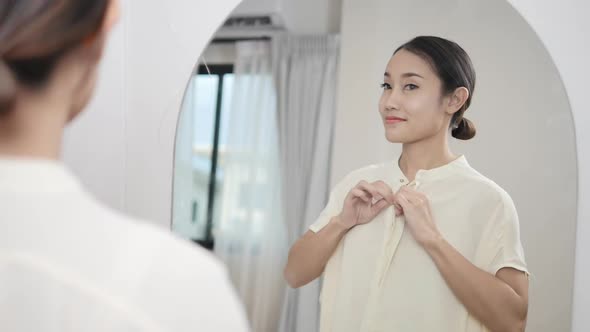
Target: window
[[212, 91]]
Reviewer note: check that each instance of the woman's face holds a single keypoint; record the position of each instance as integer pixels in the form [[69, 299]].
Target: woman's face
[[412, 106]]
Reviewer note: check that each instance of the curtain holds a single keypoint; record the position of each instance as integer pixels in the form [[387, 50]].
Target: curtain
[[305, 73], [250, 236], [276, 172]]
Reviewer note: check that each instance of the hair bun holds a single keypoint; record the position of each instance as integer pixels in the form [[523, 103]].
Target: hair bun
[[465, 130], [8, 87]]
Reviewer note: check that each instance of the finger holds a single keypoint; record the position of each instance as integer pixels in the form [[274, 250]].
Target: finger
[[370, 189], [406, 189], [412, 196], [358, 193], [402, 189], [379, 206], [385, 190], [396, 204], [397, 207], [403, 201], [415, 200]]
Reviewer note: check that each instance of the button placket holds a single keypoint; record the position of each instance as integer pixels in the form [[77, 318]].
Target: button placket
[[391, 247], [395, 228]]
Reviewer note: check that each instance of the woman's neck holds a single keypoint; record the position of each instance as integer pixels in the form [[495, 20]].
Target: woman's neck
[[425, 154], [33, 129]]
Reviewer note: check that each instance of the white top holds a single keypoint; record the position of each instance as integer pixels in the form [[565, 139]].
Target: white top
[[380, 280], [68, 264]]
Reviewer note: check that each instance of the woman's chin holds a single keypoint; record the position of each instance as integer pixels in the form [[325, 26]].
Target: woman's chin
[[394, 137]]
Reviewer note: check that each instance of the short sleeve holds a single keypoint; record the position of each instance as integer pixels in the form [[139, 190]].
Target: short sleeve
[[504, 248], [334, 206]]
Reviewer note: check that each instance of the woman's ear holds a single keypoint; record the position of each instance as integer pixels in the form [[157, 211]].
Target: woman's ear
[[457, 100], [112, 15]]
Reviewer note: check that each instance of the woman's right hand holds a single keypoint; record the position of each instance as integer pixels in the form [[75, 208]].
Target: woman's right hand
[[365, 201]]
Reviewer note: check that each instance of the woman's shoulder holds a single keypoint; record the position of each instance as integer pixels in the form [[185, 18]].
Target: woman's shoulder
[[485, 187], [143, 235]]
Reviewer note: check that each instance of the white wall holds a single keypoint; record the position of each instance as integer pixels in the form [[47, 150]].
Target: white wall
[[313, 16], [122, 147], [301, 16], [94, 143], [564, 28], [525, 138]]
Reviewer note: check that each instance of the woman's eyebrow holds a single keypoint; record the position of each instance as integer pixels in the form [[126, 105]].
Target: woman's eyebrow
[[404, 75]]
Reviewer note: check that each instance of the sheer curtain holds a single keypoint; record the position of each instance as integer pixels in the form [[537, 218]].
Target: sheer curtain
[[250, 236], [276, 172], [305, 70]]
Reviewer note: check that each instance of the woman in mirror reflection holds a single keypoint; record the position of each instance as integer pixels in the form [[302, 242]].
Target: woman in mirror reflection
[[67, 262], [424, 243]]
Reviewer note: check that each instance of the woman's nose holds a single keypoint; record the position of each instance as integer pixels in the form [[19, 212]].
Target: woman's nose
[[393, 101]]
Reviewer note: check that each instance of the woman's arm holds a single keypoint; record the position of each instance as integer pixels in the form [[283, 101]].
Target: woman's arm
[[309, 255], [500, 302]]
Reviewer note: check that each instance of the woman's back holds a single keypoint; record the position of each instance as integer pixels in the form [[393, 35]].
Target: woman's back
[[67, 263], [70, 264]]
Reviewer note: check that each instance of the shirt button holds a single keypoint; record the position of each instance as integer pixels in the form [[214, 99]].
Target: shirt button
[[402, 180]]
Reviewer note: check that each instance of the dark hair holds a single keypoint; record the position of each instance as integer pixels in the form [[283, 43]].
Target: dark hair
[[454, 68], [35, 34]]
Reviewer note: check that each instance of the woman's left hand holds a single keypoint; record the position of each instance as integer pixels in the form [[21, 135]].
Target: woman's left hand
[[419, 220]]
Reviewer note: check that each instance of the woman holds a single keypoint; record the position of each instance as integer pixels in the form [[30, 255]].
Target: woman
[[67, 263], [425, 243]]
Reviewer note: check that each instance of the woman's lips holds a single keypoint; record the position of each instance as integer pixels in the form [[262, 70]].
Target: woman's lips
[[393, 120]]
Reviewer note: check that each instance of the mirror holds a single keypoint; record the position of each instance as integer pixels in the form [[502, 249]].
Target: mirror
[[283, 105]]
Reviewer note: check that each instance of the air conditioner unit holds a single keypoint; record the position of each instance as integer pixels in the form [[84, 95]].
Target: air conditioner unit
[[254, 19]]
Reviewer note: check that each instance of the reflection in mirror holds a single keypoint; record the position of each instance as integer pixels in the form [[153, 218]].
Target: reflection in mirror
[[282, 109], [242, 140], [205, 161]]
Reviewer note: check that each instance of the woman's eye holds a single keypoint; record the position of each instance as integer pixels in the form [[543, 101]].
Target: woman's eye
[[386, 86], [411, 86]]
